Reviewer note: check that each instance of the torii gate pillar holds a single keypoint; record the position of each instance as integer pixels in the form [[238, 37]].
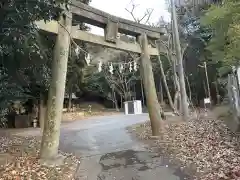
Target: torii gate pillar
[[153, 105]]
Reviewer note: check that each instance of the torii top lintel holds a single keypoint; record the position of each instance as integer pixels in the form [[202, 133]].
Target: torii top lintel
[[96, 17]]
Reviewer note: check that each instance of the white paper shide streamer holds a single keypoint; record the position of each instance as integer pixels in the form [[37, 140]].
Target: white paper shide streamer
[[118, 35], [111, 68], [88, 58], [130, 67], [121, 68], [87, 55], [77, 51], [100, 66], [135, 66]]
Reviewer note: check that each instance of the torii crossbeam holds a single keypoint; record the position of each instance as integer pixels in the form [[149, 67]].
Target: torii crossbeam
[[112, 25]]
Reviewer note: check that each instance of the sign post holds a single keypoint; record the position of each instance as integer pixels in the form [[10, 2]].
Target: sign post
[[207, 102]]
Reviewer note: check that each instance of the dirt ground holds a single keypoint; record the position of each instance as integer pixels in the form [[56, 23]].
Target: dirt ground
[[203, 147], [19, 160], [80, 115]]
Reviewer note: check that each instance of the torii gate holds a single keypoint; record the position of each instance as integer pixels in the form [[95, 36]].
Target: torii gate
[[112, 25]]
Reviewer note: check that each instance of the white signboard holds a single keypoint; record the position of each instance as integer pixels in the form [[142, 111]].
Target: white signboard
[[238, 74], [207, 101]]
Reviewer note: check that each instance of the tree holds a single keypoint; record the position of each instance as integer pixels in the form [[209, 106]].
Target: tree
[[95, 83], [122, 77], [76, 64], [224, 20], [17, 25], [170, 55], [21, 52], [179, 65], [119, 83], [75, 74], [9, 92], [198, 36], [165, 41], [166, 85]]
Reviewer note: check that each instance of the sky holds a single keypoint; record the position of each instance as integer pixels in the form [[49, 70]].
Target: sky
[[118, 8]]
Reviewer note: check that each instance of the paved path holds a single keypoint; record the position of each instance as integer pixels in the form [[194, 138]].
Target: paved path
[[109, 152], [99, 135]]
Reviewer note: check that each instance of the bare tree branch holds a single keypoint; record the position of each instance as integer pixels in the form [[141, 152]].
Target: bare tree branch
[[120, 80], [147, 15], [131, 12]]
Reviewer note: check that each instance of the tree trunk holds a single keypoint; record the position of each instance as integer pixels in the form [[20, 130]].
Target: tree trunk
[[154, 109], [161, 91], [177, 97], [116, 106], [208, 86], [134, 90], [121, 101], [35, 112], [189, 89], [184, 102], [125, 96], [205, 89], [142, 91], [217, 92], [51, 132], [70, 100], [166, 85], [41, 112], [115, 101], [177, 101]]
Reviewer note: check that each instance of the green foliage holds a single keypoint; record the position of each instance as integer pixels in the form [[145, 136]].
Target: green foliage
[[75, 73], [26, 53], [212, 35], [8, 93], [76, 63], [224, 20], [197, 38], [23, 55], [17, 28], [96, 84]]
